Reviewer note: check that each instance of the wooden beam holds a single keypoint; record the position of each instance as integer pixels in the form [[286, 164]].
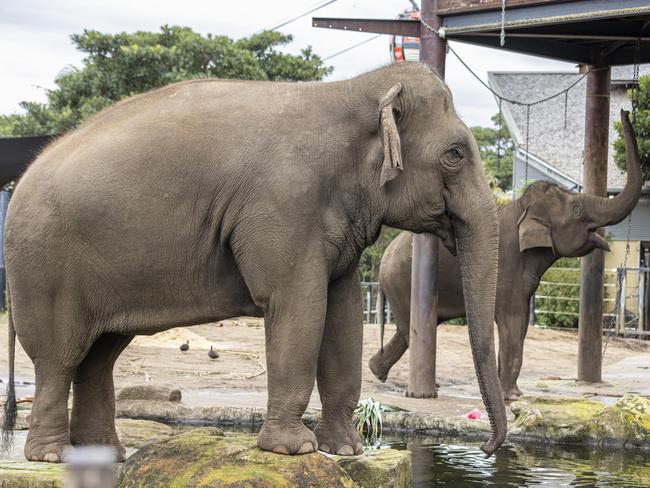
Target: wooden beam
[[592, 266], [455, 7], [404, 27]]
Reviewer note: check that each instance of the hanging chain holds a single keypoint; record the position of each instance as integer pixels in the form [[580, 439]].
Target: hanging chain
[[499, 136], [621, 293], [566, 104], [502, 37], [527, 140]]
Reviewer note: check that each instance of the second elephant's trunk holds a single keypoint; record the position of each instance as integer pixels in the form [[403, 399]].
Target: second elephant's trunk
[[608, 211]]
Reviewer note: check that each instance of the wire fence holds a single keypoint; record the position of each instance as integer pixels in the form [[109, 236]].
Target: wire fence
[[556, 303]]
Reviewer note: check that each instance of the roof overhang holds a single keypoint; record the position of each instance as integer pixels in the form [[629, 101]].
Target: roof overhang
[[596, 32]]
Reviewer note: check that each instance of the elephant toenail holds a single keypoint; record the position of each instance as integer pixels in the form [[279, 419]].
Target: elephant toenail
[[305, 448], [345, 451], [51, 457], [359, 449], [280, 450], [324, 448]]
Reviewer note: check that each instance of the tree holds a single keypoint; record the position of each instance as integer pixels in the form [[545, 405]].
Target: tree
[[642, 129], [496, 148], [117, 66]]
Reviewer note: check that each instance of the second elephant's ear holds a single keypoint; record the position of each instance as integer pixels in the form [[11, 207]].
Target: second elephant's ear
[[533, 232], [392, 165]]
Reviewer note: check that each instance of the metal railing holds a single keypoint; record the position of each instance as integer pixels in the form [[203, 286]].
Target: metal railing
[[370, 290], [633, 298]]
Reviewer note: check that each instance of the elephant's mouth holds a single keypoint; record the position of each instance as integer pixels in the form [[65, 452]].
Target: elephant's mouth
[[445, 231]]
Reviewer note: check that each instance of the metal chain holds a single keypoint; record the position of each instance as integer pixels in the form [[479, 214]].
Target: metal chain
[[566, 105], [619, 278], [527, 139], [499, 136], [502, 37]]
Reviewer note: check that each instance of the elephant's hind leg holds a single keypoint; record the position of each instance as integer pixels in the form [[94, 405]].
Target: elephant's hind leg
[[48, 433], [339, 368], [93, 409]]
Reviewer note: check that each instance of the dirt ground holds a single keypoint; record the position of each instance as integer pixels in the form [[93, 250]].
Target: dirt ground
[[238, 376]]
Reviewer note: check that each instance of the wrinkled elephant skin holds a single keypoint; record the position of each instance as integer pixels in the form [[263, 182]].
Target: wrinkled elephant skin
[[211, 199]]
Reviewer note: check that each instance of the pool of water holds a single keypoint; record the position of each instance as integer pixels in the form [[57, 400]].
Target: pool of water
[[460, 464]]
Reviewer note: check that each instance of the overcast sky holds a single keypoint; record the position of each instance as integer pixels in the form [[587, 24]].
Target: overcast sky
[[35, 43]]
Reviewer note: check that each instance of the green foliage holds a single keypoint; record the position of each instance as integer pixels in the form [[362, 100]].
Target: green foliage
[[371, 257], [496, 149], [368, 418], [642, 129], [564, 297], [117, 66]]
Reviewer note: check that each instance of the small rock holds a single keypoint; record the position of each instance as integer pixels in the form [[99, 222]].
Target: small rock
[[149, 392], [210, 458], [382, 468]]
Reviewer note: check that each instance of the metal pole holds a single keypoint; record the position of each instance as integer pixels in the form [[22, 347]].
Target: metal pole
[[424, 280], [592, 266], [4, 203]]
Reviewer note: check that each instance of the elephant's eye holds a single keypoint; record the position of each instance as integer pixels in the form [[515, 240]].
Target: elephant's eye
[[455, 154], [576, 210]]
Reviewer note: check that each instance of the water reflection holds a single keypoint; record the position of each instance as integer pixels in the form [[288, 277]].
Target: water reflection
[[440, 462]]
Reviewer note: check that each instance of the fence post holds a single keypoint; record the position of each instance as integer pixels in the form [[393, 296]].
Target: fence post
[[639, 301], [621, 304], [368, 303], [531, 315]]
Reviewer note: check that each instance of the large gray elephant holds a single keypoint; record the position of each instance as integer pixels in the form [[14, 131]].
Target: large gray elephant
[[211, 199], [545, 224]]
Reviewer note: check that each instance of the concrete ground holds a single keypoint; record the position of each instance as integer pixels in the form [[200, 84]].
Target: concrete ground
[[238, 376]]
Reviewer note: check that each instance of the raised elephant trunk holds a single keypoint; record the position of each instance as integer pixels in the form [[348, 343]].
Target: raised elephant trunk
[[608, 211], [479, 273]]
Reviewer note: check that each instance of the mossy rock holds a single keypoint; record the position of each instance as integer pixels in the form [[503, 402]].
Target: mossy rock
[[625, 423], [565, 420], [25, 474], [208, 458], [139, 433], [383, 468]]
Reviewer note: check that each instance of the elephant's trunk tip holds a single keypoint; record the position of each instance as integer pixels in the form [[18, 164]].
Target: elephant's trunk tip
[[492, 444]]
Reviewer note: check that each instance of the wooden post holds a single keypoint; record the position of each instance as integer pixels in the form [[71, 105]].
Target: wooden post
[[592, 266], [424, 282]]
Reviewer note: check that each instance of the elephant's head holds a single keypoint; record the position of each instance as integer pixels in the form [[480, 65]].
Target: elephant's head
[[431, 180], [566, 222]]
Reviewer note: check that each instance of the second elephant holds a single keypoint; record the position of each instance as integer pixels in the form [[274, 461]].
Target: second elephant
[[545, 224]]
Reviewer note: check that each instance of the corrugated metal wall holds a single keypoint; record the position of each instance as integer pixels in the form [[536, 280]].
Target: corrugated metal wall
[[640, 230]]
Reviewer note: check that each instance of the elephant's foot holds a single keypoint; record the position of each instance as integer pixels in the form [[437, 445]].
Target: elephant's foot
[[88, 437], [338, 439], [286, 438], [511, 394], [377, 367], [49, 449]]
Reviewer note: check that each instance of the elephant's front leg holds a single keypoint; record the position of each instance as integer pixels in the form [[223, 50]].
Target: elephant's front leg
[[339, 368], [294, 327], [512, 328]]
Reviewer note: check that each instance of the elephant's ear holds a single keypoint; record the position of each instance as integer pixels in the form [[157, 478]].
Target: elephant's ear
[[392, 145], [533, 232]]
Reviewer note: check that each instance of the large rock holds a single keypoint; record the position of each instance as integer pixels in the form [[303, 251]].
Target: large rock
[[625, 423], [149, 392], [139, 433], [25, 474], [382, 468], [209, 458], [574, 420]]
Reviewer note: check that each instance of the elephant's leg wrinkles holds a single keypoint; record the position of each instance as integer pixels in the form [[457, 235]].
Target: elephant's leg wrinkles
[[93, 411], [339, 368], [512, 332], [48, 433], [294, 328]]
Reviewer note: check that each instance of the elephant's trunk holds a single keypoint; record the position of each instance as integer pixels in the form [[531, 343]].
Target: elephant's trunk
[[478, 256], [607, 211]]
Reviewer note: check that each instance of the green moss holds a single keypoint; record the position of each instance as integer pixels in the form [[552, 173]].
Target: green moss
[[208, 457], [24, 474]]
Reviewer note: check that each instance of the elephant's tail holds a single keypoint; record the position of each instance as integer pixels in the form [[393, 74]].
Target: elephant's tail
[[381, 301], [10, 410]]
